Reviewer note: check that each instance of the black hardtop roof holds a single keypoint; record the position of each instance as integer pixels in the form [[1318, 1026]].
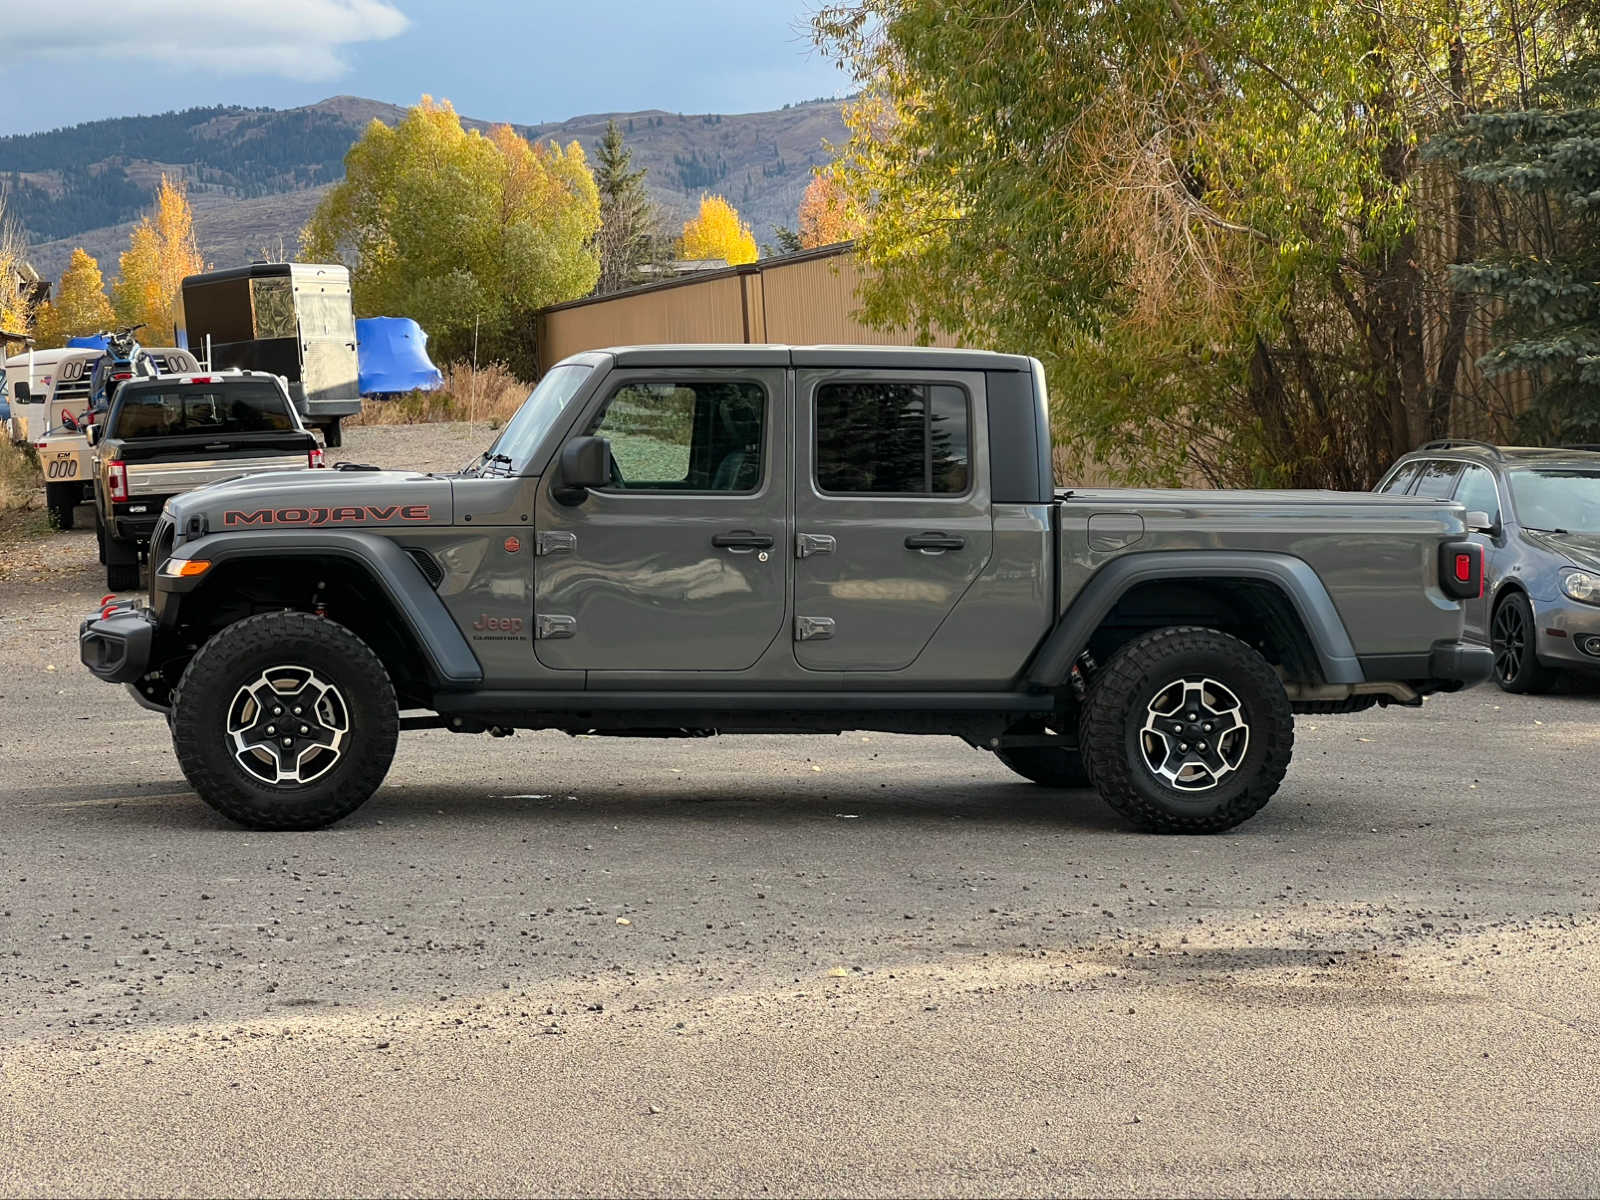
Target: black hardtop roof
[[905, 358], [253, 271]]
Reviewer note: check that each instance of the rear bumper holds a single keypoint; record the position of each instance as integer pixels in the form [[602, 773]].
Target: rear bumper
[[317, 410], [136, 527], [116, 646], [1461, 664], [1446, 666]]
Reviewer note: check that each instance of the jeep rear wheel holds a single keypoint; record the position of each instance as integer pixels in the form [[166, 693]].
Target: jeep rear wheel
[[1187, 730], [285, 721]]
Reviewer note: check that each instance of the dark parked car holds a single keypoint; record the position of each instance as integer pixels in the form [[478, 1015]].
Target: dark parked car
[[1541, 599]]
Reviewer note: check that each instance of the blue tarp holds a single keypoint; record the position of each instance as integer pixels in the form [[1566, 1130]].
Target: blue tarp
[[97, 342], [392, 356]]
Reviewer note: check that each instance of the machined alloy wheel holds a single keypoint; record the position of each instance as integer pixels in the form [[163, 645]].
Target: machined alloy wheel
[[1194, 734], [285, 720], [1186, 730], [288, 726]]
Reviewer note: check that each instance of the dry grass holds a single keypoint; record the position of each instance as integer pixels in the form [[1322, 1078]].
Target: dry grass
[[19, 477], [486, 393]]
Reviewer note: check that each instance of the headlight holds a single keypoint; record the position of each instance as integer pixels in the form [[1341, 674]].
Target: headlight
[[1582, 586]]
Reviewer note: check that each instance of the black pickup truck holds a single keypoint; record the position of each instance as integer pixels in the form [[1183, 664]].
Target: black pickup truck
[[174, 433]]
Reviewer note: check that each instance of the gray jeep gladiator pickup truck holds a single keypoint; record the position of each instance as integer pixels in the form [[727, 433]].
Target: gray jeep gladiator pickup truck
[[675, 541]]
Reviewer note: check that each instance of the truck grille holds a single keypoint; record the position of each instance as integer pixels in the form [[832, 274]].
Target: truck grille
[[161, 541]]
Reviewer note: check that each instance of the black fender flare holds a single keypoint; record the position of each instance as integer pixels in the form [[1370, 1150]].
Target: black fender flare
[[1294, 576], [450, 660]]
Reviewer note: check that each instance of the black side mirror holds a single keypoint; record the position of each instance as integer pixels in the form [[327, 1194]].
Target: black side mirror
[[585, 464]]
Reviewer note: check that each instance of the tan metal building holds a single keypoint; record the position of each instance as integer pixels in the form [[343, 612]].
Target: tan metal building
[[799, 299]]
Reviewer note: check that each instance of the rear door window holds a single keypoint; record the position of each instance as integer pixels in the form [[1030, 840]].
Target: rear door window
[[895, 439], [200, 409], [1438, 480]]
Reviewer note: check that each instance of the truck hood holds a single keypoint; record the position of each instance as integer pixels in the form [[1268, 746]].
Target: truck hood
[[313, 499]]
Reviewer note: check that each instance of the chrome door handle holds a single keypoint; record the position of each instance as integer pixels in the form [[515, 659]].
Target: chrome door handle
[[935, 542], [743, 540]]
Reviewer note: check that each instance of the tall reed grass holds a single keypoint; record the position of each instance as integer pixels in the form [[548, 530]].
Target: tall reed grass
[[488, 393]]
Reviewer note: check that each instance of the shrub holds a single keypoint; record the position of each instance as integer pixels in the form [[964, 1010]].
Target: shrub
[[486, 393], [19, 477]]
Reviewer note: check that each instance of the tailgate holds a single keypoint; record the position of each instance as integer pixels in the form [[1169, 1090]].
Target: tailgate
[[171, 477]]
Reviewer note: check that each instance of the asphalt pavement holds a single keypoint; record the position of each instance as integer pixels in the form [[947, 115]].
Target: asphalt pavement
[[819, 965]]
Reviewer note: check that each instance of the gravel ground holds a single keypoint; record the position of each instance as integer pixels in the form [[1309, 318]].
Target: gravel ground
[[852, 965]]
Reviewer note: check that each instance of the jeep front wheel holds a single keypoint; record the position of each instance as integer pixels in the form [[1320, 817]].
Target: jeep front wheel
[[285, 721], [1187, 730]]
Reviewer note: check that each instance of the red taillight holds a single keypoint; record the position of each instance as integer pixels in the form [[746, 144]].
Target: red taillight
[[314, 458], [202, 379], [1461, 570], [122, 374], [117, 480]]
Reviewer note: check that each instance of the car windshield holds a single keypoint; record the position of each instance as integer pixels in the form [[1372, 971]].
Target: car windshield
[[1566, 498], [536, 417]]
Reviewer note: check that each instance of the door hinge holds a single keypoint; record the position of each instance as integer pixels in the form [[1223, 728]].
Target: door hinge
[[554, 626], [812, 629], [555, 541], [807, 544]]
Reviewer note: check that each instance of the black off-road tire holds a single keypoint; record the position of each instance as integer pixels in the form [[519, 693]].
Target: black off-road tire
[[1120, 699], [61, 499], [239, 654], [1048, 766], [122, 564], [1517, 668]]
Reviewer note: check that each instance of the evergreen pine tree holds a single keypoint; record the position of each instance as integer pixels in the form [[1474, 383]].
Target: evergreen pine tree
[[1542, 168], [628, 216]]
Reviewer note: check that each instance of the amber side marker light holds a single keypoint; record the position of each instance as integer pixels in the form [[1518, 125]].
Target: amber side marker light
[[184, 568]]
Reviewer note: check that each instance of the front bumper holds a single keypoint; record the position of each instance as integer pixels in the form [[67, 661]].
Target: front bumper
[[116, 645], [1568, 634]]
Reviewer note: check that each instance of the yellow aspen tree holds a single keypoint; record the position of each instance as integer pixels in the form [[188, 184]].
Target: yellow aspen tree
[[717, 232], [80, 306], [161, 251]]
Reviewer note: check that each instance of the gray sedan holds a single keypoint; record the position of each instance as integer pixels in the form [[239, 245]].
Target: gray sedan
[[1540, 607]]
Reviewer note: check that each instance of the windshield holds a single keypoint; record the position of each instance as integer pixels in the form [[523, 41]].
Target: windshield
[[536, 417], [1565, 498]]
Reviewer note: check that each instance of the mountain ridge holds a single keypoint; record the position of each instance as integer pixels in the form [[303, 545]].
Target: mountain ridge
[[256, 174]]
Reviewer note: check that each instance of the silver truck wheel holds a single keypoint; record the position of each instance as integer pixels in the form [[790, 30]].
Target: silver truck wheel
[[285, 720], [288, 726], [1186, 730]]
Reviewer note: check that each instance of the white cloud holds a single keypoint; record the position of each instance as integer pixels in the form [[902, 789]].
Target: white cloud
[[294, 39]]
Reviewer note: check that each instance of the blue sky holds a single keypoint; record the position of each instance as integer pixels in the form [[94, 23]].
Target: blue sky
[[517, 60]]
